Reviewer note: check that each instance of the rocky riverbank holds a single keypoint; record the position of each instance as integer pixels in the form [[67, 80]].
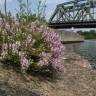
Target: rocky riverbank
[[78, 79]]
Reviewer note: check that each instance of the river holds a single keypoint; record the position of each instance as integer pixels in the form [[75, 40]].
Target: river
[[87, 49]]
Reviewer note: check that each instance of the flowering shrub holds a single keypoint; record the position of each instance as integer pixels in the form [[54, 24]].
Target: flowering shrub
[[32, 46]]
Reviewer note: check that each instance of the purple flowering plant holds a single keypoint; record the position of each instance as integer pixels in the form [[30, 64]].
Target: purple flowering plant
[[31, 46]]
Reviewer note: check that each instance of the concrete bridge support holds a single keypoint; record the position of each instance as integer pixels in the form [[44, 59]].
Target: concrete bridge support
[[69, 37]]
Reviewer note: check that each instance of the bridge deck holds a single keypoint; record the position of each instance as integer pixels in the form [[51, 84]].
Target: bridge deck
[[75, 24]]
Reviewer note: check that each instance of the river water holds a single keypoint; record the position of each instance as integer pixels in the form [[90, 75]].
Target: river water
[[87, 49]]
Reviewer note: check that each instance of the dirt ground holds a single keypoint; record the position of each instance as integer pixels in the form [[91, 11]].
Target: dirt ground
[[78, 79]]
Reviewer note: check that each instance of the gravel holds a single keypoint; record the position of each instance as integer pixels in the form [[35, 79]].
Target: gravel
[[78, 79]]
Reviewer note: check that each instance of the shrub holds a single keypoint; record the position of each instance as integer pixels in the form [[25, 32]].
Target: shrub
[[31, 47]]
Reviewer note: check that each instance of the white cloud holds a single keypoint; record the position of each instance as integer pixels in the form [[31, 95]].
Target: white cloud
[[2, 1]]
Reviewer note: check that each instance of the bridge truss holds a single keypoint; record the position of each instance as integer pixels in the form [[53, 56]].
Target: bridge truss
[[76, 13]]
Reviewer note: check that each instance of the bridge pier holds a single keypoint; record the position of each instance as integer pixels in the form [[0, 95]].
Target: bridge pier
[[70, 37]]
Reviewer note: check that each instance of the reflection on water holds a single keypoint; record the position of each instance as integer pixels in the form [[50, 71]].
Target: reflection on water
[[86, 49]]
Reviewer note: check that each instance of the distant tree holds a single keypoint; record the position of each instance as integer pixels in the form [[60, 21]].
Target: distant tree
[[41, 8], [93, 31], [24, 12], [28, 4], [91, 34], [80, 32], [28, 10], [21, 8], [5, 7]]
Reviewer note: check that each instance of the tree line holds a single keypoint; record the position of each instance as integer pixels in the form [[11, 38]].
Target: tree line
[[88, 34]]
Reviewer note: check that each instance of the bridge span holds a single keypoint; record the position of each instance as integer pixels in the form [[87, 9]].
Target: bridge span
[[75, 24], [77, 14]]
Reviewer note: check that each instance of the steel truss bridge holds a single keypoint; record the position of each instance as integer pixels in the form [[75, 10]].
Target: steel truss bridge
[[77, 13]]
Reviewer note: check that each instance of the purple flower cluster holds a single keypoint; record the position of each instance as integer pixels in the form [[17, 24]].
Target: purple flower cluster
[[29, 39], [34, 26], [1, 22], [24, 61], [4, 52], [15, 47], [57, 49], [50, 50], [45, 59], [15, 51], [53, 41]]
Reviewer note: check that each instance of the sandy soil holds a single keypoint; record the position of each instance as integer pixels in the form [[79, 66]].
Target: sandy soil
[[78, 79]]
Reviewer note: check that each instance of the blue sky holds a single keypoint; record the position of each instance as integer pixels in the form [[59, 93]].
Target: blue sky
[[51, 5]]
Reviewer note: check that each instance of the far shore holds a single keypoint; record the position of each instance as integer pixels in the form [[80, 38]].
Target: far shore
[[91, 39]]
